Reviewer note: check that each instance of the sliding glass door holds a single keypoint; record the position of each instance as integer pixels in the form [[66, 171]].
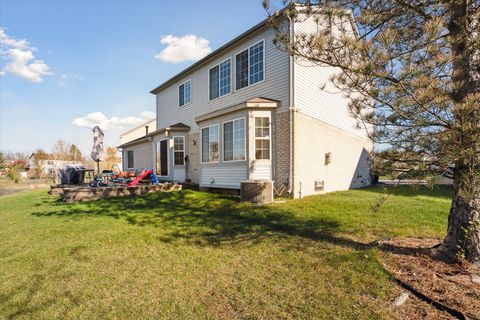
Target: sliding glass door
[[161, 157]]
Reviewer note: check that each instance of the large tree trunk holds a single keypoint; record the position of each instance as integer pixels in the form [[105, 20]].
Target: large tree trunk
[[463, 237]]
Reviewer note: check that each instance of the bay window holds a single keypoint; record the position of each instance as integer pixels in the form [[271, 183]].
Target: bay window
[[234, 140], [210, 143]]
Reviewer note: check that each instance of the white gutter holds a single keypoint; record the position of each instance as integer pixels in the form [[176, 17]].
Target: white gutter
[[292, 111]]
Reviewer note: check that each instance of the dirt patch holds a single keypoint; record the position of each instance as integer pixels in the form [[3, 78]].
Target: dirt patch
[[456, 286]]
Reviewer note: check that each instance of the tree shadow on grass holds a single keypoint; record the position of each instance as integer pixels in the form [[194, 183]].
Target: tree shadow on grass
[[436, 191], [208, 219], [24, 305]]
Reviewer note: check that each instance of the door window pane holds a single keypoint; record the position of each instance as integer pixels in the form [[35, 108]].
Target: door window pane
[[262, 138], [178, 151]]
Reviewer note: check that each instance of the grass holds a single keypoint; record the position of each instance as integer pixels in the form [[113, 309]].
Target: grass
[[194, 255]]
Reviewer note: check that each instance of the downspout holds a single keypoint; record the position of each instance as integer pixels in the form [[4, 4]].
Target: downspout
[[292, 111]]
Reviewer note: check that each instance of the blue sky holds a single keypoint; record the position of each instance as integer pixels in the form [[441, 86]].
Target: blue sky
[[64, 60]]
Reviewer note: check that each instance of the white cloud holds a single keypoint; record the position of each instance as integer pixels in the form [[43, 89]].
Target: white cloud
[[184, 48], [10, 42], [65, 77], [20, 59], [101, 120], [148, 115]]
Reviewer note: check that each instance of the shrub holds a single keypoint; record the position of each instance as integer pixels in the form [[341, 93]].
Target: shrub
[[14, 175]]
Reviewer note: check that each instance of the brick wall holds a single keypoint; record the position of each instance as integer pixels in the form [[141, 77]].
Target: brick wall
[[282, 149]]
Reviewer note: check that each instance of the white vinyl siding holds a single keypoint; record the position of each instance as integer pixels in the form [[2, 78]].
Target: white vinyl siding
[[315, 95], [250, 65], [210, 143], [223, 177], [275, 85], [141, 154], [184, 93], [234, 140]]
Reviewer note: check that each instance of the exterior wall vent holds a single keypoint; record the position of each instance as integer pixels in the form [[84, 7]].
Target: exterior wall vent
[[319, 185], [328, 158]]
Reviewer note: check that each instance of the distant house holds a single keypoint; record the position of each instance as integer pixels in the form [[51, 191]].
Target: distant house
[[45, 164], [250, 111], [138, 131]]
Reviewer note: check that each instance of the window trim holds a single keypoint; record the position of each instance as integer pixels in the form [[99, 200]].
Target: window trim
[[231, 80], [264, 65], [178, 165], [201, 143], [269, 137], [178, 93], [244, 140], [133, 159]]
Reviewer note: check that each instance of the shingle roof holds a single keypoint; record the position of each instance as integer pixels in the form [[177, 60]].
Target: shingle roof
[[177, 126]]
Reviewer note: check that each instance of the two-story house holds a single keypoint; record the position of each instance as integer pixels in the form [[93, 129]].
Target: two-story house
[[250, 111]]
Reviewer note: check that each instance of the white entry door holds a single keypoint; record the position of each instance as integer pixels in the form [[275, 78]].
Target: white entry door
[[262, 146]]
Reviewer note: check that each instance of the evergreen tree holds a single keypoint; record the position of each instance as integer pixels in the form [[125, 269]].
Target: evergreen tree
[[412, 71]]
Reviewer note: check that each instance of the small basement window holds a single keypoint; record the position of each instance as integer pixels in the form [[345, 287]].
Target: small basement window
[[328, 158], [319, 185]]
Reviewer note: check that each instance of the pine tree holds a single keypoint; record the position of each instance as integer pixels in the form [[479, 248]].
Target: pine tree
[[75, 153], [412, 71]]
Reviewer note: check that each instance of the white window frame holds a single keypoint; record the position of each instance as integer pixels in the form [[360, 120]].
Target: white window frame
[[231, 81], [178, 93], [201, 143], [248, 78], [133, 159], [255, 138], [244, 140], [183, 150]]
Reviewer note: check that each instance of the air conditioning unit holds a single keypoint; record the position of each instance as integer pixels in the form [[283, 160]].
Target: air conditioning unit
[[319, 185], [257, 191]]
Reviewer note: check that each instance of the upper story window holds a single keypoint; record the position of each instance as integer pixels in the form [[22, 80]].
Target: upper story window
[[250, 66], [220, 79], [234, 140], [210, 143], [184, 92]]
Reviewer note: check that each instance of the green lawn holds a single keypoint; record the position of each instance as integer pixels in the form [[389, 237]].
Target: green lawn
[[194, 255]]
